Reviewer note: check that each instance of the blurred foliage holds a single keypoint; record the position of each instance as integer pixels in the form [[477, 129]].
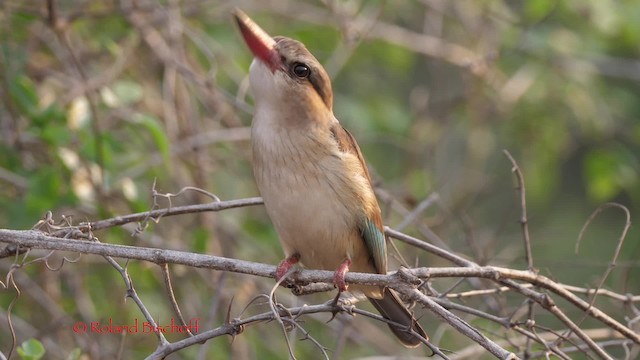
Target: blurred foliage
[[96, 108], [31, 350]]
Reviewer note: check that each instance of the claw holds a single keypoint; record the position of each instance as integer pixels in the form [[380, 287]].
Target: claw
[[338, 278], [285, 265]]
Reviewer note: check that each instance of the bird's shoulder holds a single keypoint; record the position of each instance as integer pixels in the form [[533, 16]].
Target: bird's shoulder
[[347, 144]]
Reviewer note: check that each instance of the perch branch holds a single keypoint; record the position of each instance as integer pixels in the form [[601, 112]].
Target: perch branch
[[38, 240]]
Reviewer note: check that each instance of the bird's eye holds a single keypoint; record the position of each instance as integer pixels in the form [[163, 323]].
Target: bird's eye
[[301, 70]]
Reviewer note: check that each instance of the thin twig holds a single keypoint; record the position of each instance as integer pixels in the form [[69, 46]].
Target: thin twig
[[417, 211], [176, 210], [616, 253], [460, 325], [274, 305], [524, 223], [172, 296], [523, 209]]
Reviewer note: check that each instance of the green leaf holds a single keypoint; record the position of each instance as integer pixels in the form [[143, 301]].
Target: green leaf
[[201, 239], [153, 126], [24, 94], [608, 171], [127, 92], [31, 349], [539, 8], [46, 190], [74, 354]]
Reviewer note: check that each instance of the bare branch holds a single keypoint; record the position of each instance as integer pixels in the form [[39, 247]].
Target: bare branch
[[166, 276], [616, 252], [460, 325], [523, 208], [38, 240], [177, 210]]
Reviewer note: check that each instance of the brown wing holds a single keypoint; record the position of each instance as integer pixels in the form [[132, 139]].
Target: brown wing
[[372, 230]]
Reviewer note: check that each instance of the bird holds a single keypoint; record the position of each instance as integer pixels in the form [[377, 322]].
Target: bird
[[312, 176]]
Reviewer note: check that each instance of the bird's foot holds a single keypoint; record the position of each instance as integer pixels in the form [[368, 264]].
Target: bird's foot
[[285, 265], [338, 278]]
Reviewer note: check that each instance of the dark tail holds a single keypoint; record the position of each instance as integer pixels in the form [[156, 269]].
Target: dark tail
[[392, 308]]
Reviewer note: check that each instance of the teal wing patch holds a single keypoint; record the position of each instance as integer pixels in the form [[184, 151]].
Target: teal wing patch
[[375, 240]]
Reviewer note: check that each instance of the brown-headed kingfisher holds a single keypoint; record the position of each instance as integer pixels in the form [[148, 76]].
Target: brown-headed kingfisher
[[312, 176]]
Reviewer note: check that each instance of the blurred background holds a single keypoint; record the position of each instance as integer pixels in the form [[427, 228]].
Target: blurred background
[[99, 100]]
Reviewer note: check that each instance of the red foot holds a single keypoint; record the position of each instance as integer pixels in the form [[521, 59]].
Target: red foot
[[285, 265], [338, 278]]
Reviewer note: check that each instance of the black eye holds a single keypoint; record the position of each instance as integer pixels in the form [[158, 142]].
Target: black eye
[[301, 70]]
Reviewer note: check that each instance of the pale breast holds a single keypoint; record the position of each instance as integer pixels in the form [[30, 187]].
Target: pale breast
[[309, 193]]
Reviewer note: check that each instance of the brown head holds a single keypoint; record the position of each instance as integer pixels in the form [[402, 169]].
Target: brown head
[[284, 70]]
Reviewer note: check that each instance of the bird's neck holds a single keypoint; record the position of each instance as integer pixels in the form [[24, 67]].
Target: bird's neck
[[291, 116]]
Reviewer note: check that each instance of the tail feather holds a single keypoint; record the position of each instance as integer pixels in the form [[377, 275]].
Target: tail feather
[[392, 308]]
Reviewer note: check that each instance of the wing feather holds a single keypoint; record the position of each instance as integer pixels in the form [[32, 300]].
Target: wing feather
[[371, 229]]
